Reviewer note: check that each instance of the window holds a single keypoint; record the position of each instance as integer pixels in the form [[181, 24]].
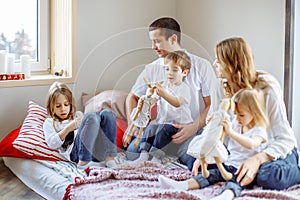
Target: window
[[43, 29], [25, 33]]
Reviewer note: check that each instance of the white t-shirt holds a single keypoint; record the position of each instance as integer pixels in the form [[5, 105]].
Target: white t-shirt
[[238, 153], [201, 81], [281, 138], [168, 114], [52, 138]]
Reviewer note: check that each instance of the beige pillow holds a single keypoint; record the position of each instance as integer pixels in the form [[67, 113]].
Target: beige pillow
[[110, 99]]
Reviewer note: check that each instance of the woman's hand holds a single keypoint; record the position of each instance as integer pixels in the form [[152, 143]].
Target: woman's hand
[[249, 168], [196, 166]]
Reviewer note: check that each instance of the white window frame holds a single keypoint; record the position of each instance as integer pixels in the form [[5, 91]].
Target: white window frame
[[46, 76]]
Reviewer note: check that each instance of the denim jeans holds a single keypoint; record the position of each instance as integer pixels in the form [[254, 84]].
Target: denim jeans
[[215, 177], [180, 150], [156, 138], [280, 174], [96, 138]]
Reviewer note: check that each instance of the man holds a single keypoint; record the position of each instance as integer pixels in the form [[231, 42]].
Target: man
[[165, 35]]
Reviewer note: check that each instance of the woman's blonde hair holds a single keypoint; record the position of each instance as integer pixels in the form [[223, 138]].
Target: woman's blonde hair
[[55, 90], [253, 100], [236, 55]]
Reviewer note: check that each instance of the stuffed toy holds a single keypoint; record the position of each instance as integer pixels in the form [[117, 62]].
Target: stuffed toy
[[141, 115], [209, 147]]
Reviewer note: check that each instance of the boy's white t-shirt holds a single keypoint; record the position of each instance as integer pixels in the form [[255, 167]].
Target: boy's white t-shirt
[[168, 114], [201, 80]]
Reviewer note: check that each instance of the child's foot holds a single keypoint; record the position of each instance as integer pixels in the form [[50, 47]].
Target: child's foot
[[84, 165], [144, 156], [226, 195], [111, 163], [156, 160], [168, 183]]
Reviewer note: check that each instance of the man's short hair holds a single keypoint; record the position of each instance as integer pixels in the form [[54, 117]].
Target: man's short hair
[[168, 25]]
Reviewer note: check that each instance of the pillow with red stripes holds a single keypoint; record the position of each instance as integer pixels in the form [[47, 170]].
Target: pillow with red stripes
[[31, 138]]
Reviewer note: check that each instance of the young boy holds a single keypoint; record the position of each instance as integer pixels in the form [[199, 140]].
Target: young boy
[[173, 107]]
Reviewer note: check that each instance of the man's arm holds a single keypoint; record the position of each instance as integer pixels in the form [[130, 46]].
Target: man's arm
[[130, 104]]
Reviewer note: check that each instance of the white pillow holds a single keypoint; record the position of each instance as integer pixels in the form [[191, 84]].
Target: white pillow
[[31, 138]]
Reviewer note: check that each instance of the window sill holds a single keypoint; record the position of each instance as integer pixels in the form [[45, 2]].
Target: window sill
[[36, 80]]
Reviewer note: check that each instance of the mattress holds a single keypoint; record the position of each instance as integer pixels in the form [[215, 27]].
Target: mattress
[[48, 179]]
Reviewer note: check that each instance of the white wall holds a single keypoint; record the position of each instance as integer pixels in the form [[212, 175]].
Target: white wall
[[113, 44], [261, 23]]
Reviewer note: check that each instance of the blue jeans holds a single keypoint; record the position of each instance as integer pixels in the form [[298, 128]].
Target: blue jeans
[[96, 138], [155, 139], [133, 152], [280, 174], [215, 177]]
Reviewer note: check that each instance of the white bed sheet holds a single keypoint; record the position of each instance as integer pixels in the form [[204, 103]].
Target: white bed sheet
[[48, 179]]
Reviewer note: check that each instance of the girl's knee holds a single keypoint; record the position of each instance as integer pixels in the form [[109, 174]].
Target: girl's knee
[[107, 114], [90, 116]]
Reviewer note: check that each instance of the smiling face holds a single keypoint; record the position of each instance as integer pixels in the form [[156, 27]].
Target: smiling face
[[160, 44], [62, 107], [174, 73]]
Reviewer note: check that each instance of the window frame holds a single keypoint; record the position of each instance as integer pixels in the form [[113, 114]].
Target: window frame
[[46, 77]]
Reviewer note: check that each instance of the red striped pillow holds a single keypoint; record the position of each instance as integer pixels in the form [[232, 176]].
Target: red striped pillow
[[31, 138]]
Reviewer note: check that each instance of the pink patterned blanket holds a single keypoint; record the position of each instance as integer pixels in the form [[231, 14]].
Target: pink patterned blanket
[[140, 182]]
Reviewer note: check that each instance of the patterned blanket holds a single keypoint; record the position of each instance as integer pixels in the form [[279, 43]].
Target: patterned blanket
[[140, 182]]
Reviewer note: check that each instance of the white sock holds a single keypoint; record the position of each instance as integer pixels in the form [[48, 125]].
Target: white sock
[[168, 183], [111, 163], [144, 156], [226, 195], [96, 164], [156, 160]]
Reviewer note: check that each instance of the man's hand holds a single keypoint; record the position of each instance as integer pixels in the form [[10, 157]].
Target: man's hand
[[129, 134], [186, 131]]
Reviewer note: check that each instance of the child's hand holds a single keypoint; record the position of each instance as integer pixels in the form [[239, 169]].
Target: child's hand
[[227, 126], [160, 90], [196, 166], [74, 124], [209, 118]]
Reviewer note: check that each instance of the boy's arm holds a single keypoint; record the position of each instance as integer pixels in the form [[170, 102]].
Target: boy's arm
[[174, 101]]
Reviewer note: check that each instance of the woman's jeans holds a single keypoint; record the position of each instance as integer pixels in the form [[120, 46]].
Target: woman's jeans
[[96, 138], [280, 174]]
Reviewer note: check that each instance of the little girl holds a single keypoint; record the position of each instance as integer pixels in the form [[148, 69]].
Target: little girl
[[91, 142], [247, 133]]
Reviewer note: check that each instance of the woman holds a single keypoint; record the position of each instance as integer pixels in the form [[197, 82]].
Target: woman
[[276, 167]]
